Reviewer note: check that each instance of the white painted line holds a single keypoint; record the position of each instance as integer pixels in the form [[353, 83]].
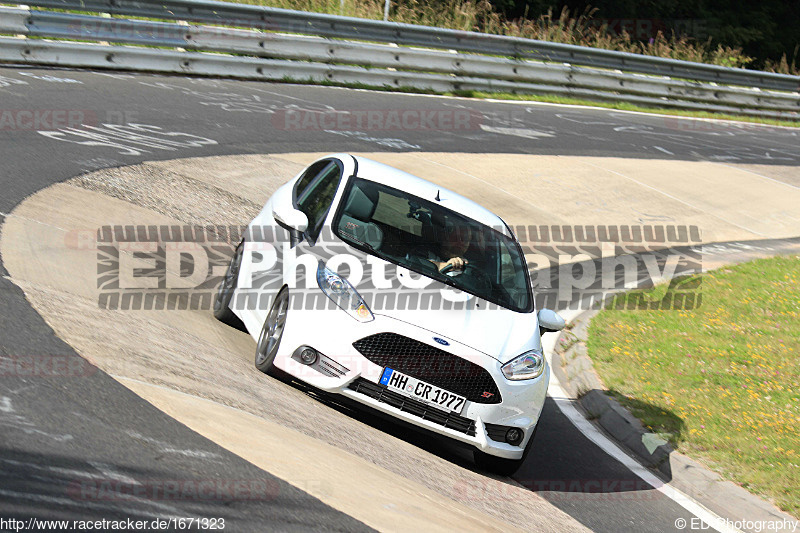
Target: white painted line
[[515, 132], [5, 405], [81, 504], [9, 215], [57, 469], [761, 176], [165, 447], [561, 398], [663, 150], [107, 473], [668, 195], [112, 474], [744, 121], [519, 103], [115, 76], [516, 196]]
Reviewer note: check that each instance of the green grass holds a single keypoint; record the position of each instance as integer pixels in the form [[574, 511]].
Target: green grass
[[557, 100], [552, 99], [627, 107], [720, 382]]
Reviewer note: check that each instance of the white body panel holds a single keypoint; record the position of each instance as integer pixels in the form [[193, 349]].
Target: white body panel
[[486, 337]]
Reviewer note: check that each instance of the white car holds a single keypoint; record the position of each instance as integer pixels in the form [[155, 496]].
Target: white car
[[362, 280]]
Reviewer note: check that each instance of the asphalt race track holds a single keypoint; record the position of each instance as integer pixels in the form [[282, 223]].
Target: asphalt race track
[[60, 434]]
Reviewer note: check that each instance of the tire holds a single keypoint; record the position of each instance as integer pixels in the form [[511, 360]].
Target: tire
[[499, 465], [222, 311], [269, 339]]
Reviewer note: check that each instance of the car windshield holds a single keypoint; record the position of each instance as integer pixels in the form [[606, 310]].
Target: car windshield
[[424, 236]]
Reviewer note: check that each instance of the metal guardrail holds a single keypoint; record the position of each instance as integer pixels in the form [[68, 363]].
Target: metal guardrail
[[283, 20], [275, 56]]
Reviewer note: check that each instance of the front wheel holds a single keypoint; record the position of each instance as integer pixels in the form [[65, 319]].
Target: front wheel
[[500, 465], [222, 310], [270, 338]]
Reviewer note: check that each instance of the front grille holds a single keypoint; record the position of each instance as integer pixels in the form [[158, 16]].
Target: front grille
[[430, 364], [415, 407]]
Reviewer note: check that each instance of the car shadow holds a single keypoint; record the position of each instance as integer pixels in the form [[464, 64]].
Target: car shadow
[[563, 459], [664, 422]]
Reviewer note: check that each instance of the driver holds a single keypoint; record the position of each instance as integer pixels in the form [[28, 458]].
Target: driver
[[454, 245]]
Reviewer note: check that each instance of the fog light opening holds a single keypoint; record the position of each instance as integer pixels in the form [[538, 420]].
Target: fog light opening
[[308, 356], [514, 436]]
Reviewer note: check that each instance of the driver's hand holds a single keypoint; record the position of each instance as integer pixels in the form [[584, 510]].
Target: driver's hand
[[458, 263]]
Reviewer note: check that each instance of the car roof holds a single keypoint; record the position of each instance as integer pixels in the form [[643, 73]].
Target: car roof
[[399, 179]]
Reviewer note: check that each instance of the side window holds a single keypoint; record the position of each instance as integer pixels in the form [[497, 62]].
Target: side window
[[314, 193], [512, 278], [308, 176]]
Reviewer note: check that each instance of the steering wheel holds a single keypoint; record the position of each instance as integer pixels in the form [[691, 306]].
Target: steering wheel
[[482, 281], [450, 267]]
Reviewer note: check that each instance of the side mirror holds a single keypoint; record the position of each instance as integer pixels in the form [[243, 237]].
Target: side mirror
[[549, 321], [289, 217]]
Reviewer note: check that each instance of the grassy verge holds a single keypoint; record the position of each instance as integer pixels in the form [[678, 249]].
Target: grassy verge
[[720, 382], [629, 107], [561, 100]]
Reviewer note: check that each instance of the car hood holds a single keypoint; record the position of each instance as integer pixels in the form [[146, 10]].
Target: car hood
[[499, 333]]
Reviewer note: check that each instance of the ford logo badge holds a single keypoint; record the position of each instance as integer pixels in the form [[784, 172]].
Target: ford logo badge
[[441, 341]]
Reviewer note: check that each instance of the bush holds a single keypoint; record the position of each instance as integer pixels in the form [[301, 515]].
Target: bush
[[566, 28]]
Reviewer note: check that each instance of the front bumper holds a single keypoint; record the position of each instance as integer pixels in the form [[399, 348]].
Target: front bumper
[[333, 332]]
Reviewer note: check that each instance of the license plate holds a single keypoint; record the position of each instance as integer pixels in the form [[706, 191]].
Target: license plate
[[419, 390]]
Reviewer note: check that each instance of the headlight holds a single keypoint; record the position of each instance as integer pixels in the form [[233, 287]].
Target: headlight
[[526, 366], [339, 290]]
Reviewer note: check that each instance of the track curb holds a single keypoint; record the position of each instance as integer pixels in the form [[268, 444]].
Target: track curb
[[575, 371], [579, 379]]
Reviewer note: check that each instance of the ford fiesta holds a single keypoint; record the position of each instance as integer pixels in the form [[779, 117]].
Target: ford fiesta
[[365, 281]]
